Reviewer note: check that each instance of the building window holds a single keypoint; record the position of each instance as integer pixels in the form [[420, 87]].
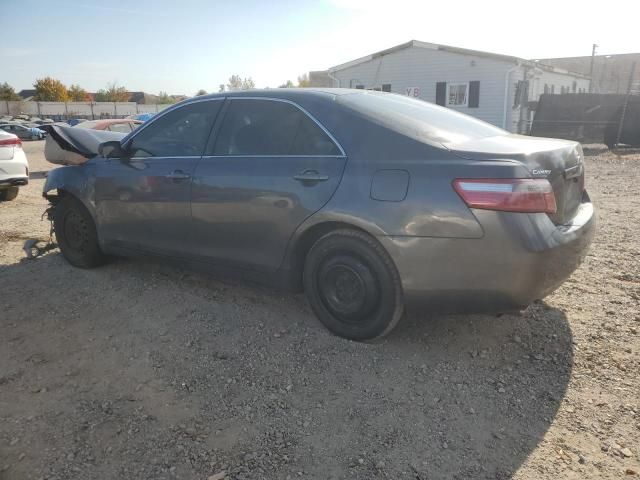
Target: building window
[[457, 94], [386, 87]]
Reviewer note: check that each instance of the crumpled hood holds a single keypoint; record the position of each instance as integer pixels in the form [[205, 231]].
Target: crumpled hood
[[73, 146]]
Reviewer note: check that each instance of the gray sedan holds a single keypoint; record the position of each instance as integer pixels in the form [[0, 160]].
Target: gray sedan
[[24, 132], [367, 201]]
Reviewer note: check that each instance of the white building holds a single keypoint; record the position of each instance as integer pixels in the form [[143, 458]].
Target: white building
[[499, 89]]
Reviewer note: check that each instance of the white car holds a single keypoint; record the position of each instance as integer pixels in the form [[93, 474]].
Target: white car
[[14, 168]]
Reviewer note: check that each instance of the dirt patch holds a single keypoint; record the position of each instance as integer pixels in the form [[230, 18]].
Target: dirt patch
[[139, 370]]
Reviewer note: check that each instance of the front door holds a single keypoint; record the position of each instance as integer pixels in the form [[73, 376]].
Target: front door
[[270, 168], [143, 200]]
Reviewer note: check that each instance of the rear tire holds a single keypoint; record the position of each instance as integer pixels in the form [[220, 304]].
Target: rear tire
[[353, 286], [76, 234], [8, 194]]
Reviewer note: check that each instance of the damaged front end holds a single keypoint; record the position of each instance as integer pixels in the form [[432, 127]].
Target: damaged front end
[[34, 248], [73, 148]]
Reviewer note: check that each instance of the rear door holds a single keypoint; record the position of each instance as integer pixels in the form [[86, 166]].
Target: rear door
[[142, 201], [270, 167]]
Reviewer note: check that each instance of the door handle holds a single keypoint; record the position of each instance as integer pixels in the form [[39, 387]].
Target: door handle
[[178, 175], [310, 176]]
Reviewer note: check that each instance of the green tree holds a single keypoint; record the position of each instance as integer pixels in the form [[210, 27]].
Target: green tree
[[113, 93], [78, 94], [303, 80], [288, 84], [164, 98], [237, 83], [8, 93], [201, 92], [50, 90]]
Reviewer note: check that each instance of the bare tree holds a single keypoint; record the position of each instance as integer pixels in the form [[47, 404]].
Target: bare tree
[[303, 80], [113, 93], [8, 93], [237, 83]]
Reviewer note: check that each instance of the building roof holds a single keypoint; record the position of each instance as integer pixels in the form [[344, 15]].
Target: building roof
[[461, 51], [611, 73], [27, 94]]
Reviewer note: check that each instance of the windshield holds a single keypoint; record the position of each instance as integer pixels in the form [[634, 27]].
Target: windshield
[[418, 119]]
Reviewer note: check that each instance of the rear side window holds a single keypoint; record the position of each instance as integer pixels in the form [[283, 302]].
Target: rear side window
[[268, 127], [120, 127], [418, 119], [181, 132]]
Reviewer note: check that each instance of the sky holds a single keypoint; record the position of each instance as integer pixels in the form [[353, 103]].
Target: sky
[[181, 46]]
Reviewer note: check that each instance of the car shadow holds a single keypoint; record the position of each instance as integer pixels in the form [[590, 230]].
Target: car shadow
[[265, 387], [38, 175]]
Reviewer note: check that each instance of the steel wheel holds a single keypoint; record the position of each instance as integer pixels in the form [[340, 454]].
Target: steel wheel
[[352, 285], [348, 288]]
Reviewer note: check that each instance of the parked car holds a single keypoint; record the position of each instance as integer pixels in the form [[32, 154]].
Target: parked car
[[366, 200], [75, 121], [14, 168], [123, 125], [143, 117], [24, 132]]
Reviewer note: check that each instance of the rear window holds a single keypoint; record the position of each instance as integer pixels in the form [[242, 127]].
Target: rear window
[[419, 119]]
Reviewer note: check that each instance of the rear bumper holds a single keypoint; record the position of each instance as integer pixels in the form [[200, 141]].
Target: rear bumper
[[520, 258], [14, 182]]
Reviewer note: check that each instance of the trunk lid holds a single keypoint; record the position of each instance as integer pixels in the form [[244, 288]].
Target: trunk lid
[[559, 161]]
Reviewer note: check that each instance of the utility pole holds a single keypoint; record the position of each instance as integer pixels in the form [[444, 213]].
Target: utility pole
[[593, 57], [625, 105]]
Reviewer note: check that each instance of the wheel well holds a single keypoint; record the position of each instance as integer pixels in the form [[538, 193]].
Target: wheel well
[[305, 242], [55, 194]]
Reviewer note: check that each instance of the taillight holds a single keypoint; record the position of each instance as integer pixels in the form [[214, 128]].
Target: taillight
[[526, 195], [11, 142]]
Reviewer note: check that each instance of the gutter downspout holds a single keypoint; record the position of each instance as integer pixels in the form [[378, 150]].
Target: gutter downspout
[[333, 78], [506, 94]]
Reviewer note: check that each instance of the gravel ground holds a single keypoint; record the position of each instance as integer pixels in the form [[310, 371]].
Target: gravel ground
[[141, 371]]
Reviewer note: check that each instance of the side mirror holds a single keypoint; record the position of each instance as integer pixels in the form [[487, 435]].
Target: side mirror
[[111, 149]]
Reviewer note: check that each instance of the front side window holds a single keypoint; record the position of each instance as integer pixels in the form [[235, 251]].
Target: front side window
[[120, 127], [269, 127], [183, 132], [457, 94]]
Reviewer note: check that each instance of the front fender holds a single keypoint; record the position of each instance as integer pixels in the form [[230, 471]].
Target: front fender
[[73, 180]]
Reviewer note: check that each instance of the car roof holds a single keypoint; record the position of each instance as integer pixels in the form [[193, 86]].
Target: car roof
[[109, 121], [284, 93], [89, 124]]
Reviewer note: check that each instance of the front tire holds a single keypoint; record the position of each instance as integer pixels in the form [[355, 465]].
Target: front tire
[[8, 194], [76, 233], [353, 286]]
